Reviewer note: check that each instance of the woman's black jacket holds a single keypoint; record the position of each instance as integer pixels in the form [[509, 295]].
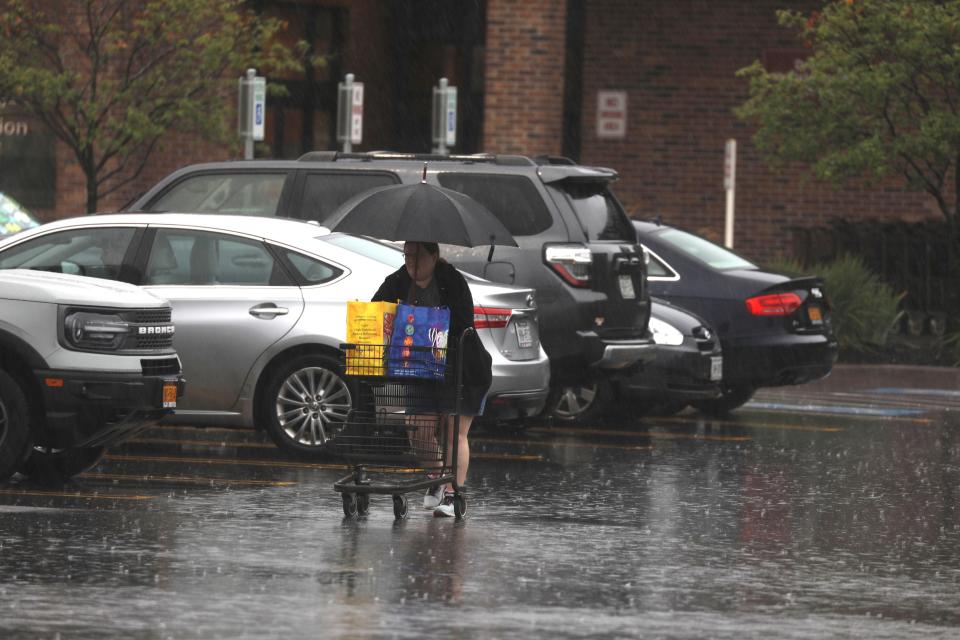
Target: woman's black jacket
[[454, 293]]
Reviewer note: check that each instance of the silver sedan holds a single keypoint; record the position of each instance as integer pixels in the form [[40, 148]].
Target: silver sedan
[[259, 306]]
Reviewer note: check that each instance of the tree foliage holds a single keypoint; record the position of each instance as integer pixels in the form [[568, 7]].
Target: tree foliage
[[879, 94], [111, 77]]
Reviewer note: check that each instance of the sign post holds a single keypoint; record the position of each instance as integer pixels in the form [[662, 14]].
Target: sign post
[[251, 110], [730, 184], [349, 113], [444, 116]]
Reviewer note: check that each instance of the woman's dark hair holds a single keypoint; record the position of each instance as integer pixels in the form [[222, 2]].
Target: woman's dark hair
[[431, 247]]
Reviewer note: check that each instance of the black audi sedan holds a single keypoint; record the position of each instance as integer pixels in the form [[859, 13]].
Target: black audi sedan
[[774, 330]]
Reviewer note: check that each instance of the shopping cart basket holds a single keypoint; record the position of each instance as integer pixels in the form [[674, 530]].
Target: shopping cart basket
[[398, 429]]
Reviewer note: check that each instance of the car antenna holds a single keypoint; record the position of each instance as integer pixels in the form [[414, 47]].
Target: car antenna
[[423, 178], [490, 253], [658, 220]]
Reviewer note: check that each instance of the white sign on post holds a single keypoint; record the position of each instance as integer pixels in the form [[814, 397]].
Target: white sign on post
[[612, 114], [356, 114], [259, 110], [451, 119]]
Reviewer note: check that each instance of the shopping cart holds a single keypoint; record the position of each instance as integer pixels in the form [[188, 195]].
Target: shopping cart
[[397, 431]]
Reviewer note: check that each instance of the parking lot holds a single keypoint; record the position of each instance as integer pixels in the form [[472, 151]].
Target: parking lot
[[820, 510]]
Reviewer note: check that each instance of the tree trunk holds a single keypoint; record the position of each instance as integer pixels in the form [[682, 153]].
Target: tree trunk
[[92, 195]]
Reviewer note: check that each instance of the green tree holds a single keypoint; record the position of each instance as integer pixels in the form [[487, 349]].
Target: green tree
[[878, 95], [111, 77]]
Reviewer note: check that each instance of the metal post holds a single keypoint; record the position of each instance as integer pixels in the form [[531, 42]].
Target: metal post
[[730, 184], [439, 111], [348, 107]]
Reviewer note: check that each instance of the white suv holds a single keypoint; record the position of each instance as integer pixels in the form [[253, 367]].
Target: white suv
[[84, 363]]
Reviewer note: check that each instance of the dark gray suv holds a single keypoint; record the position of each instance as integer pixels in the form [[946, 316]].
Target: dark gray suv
[[577, 247]]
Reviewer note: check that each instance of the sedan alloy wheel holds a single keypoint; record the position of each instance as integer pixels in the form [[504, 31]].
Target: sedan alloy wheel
[[310, 400]]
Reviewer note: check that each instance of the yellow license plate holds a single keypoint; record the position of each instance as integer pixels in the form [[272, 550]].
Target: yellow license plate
[[815, 315], [169, 395]]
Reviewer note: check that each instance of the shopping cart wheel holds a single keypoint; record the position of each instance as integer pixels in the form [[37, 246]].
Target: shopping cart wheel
[[349, 505], [459, 505], [399, 507], [363, 504]]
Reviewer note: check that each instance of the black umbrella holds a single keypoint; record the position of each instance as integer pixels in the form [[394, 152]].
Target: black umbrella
[[420, 212]]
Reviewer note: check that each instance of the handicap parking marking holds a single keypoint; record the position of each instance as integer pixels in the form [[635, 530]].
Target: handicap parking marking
[[945, 393], [844, 410]]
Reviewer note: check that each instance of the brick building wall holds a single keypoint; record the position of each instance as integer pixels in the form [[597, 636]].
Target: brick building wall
[[523, 104], [676, 60]]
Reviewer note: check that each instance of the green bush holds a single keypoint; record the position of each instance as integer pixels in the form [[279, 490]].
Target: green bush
[[864, 308]]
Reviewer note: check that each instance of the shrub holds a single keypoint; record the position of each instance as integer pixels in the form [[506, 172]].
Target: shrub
[[864, 308]]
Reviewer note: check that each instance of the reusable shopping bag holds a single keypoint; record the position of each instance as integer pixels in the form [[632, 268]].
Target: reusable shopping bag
[[369, 327], [418, 348]]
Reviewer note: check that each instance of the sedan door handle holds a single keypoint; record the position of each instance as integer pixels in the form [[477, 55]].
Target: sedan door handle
[[268, 310]]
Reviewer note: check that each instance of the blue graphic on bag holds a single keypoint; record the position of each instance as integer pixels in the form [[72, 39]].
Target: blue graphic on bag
[[418, 346]]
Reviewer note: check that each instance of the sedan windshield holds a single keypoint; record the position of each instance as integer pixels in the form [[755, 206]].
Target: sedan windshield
[[703, 250]]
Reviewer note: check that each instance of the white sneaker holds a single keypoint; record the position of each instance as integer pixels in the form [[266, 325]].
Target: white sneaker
[[433, 497], [445, 508]]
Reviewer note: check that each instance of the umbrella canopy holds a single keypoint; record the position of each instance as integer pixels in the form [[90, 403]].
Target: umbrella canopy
[[420, 212]]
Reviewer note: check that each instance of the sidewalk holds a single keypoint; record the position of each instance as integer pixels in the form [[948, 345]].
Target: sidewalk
[[886, 384], [855, 377]]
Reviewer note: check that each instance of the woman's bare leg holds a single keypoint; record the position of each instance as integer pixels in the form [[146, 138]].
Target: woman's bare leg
[[463, 448]]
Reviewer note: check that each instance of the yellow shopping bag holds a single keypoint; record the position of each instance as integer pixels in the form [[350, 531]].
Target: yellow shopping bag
[[369, 327]]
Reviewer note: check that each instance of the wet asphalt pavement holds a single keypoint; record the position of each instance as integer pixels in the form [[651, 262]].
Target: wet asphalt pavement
[[826, 510]]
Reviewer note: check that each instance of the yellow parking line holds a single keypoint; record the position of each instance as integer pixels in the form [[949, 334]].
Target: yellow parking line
[[257, 463], [206, 443], [514, 457], [170, 427], [554, 443], [220, 461], [661, 435], [199, 480], [752, 425], [66, 494]]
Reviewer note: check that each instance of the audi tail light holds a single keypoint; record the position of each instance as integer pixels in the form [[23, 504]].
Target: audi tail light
[[774, 304]]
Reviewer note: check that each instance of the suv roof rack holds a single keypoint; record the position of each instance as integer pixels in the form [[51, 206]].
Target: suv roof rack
[[333, 156]]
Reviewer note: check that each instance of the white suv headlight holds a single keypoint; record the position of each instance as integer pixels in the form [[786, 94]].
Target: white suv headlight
[[664, 333], [91, 331]]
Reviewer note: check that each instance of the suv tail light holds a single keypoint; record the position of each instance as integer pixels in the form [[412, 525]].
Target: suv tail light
[[491, 317], [774, 304], [572, 263]]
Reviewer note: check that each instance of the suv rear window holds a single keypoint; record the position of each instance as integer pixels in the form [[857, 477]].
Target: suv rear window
[[598, 211], [324, 192], [253, 194], [513, 199]]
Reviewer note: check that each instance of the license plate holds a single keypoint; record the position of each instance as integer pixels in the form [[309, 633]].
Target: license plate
[[626, 287], [524, 334], [716, 368], [170, 394], [815, 315]]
